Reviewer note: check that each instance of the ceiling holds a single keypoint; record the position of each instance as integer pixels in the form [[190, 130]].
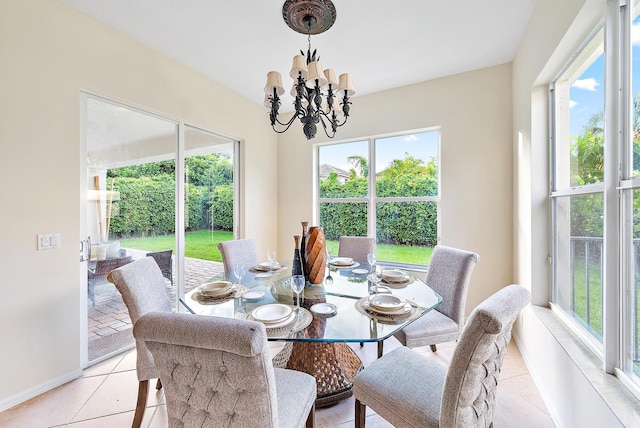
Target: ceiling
[[383, 44]]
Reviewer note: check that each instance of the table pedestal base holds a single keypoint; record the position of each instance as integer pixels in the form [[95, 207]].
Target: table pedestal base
[[334, 365]]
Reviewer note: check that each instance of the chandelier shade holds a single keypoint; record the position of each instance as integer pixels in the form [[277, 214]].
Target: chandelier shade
[[320, 97]]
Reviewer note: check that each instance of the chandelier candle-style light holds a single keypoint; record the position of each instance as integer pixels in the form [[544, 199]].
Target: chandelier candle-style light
[[319, 96]]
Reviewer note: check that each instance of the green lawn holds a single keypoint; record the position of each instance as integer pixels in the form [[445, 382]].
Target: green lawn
[[203, 244], [199, 244]]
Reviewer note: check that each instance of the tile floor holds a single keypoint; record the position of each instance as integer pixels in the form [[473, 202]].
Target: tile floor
[[105, 396]]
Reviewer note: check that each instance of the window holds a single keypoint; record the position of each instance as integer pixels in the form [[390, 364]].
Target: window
[[595, 194], [387, 187]]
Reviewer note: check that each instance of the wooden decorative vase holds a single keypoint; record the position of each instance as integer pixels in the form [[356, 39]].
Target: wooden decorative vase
[[315, 260]]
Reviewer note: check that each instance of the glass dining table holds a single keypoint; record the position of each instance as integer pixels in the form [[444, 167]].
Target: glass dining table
[[344, 308]]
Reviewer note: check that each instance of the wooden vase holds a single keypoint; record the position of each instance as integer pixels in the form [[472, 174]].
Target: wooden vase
[[315, 260]]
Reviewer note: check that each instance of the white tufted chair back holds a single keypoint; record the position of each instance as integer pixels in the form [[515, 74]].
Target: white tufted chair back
[[237, 252], [356, 247], [469, 395], [217, 372], [143, 290], [409, 390]]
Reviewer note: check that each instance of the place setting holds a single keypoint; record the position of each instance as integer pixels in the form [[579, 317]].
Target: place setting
[[266, 269], [343, 263], [281, 319], [395, 278], [386, 307], [218, 292]]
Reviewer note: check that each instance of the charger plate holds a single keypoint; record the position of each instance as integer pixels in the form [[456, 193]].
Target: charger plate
[[237, 291], [413, 311]]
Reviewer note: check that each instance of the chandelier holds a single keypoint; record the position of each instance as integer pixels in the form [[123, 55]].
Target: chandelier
[[319, 96]]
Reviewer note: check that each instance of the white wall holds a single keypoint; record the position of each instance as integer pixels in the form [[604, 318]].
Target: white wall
[[49, 52], [552, 36], [474, 112]]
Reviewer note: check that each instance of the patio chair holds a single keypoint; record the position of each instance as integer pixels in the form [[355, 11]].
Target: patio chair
[[356, 247], [97, 272], [165, 262], [237, 252], [143, 290], [409, 390], [217, 372]]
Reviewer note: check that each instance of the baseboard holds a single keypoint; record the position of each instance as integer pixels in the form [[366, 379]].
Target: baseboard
[[39, 389], [537, 382]]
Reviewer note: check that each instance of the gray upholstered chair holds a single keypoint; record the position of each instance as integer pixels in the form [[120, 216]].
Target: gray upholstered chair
[[237, 252], [356, 247], [449, 274], [217, 372], [409, 390], [143, 290]]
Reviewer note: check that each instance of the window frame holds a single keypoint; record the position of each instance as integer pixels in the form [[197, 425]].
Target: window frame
[[618, 285], [371, 199]]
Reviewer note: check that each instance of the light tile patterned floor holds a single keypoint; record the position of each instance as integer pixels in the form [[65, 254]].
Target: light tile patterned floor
[[105, 396]]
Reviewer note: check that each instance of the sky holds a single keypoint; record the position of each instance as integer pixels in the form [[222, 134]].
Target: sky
[[422, 145], [587, 92]]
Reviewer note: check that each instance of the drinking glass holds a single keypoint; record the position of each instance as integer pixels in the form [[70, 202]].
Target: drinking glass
[[239, 271], [329, 279], [375, 277], [271, 256], [371, 259], [297, 285]]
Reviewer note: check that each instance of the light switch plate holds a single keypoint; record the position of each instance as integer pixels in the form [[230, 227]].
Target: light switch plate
[[48, 241]]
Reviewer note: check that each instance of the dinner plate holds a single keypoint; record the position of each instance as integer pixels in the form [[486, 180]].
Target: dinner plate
[[382, 289], [262, 275], [403, 310], [360, 271], [268, 266], [215, 288], [324, 308], [386, 302], [253, 296], [394, 275], [288, 320], [272, 313], [342, 261]]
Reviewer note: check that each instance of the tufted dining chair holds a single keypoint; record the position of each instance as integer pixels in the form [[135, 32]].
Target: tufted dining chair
[[217, 372], [356, 247], [237, 252], [449, 275], [143, 290], [409, 390]]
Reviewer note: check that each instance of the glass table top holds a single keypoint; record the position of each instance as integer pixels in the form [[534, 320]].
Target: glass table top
[[353, 319]]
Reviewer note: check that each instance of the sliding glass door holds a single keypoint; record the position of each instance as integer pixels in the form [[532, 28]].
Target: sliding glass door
[[154, 188]]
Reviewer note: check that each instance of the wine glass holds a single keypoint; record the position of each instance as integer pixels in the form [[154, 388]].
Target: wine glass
[[297, 285], [329, 279], [239, 271], [371, 259], [375, 277], [271, 256]]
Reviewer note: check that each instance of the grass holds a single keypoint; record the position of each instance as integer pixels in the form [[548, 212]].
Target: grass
[[199, 244], [203, 244]]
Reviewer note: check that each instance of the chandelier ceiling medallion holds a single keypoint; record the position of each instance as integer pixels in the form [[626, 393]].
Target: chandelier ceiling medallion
[[317, 92]]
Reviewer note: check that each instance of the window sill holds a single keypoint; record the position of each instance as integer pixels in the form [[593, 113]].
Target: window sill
[[617, 397]]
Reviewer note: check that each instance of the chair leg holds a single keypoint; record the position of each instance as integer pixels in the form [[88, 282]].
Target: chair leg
[[158, 384], [380, 348], [433, 348], [143, 388], [311, 419], [361, 414]]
